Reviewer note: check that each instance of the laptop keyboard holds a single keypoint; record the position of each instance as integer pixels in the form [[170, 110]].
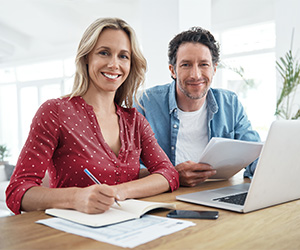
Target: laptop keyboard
[[238, 199]]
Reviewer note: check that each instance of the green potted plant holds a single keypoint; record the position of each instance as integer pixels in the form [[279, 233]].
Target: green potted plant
[[3, 154], [289, 69]]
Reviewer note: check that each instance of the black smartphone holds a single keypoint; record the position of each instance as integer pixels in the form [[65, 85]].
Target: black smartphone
[[193, 214]]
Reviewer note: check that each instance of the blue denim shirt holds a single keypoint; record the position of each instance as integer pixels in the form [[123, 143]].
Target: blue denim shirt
[[226, 118]]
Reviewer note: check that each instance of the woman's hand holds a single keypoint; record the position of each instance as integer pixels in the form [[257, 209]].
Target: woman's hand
[[94, 199]]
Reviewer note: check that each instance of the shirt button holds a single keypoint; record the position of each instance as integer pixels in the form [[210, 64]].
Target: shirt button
[[172, 148], [174, 126]]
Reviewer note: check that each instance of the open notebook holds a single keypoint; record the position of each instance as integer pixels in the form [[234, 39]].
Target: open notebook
[[129, 209], [276, 179]]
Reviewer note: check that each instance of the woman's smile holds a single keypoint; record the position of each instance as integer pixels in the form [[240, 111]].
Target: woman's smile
[[111, 76]]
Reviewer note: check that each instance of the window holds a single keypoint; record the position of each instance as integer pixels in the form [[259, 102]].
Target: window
[[9, 118], [40, 71], [248, 68], [22, 90]]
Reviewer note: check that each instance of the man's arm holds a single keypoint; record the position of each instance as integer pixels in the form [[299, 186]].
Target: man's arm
[[190, 173]]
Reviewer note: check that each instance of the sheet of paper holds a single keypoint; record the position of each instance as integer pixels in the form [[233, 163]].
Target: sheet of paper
[[126, 234], [229, 156]]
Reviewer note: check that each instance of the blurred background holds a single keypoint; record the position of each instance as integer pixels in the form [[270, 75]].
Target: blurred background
[[39, 39]]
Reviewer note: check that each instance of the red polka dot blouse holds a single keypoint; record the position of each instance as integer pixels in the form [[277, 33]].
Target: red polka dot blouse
[[65, 138]]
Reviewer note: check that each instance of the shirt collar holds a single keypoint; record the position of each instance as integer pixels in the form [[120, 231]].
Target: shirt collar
[[211, 101], [118, 109]]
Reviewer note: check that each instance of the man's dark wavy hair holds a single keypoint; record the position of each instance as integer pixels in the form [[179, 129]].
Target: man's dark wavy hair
[[194, 35]]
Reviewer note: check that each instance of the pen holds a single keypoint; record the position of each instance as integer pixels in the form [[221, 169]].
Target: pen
[[94, 179]]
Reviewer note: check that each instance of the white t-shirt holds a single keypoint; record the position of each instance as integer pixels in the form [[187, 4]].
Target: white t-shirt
[[192, 135]]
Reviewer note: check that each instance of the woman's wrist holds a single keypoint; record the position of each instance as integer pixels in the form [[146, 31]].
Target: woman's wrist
[[121, 191]]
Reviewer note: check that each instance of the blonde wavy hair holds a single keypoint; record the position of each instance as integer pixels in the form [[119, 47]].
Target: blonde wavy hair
[[127, 92]]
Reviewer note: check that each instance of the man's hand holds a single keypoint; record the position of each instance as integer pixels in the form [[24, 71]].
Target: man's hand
[[192, 173]]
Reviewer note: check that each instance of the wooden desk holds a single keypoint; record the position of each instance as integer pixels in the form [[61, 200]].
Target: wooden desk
[[277, 227]]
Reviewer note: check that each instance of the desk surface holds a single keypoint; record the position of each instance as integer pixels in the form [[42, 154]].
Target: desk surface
[[277, 227]]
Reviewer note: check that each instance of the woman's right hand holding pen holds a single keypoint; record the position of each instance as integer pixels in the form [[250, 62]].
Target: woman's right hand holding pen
[[94, 199]]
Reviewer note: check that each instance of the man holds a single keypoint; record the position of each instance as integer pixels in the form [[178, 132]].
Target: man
[[187, 113]]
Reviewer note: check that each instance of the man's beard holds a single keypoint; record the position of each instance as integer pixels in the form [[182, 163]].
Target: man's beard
[[191, 96]]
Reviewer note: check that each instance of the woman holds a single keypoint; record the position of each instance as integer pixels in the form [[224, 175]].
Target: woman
[[95, 128]]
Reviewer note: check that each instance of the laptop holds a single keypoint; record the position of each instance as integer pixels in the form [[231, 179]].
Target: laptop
[[276, 179]]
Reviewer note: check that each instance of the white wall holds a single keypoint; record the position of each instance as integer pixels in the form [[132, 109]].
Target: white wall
[[287, 16], [233, 13]]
